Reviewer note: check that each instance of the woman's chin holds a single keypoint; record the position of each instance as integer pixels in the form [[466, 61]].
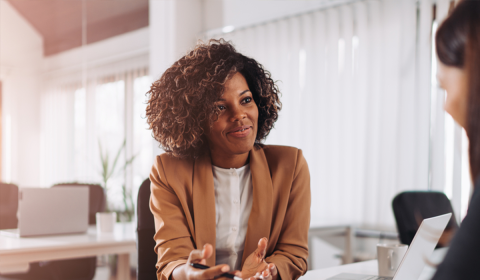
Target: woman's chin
[[242, 149]]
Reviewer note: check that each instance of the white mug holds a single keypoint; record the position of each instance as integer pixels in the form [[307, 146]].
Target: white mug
[[105, 222], [389, 258]]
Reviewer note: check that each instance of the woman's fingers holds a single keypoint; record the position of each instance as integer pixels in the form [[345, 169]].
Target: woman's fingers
[[237, 273], [210, 273], [273, 269], [261, 248], [207, 251], [264, 275], [195, 256], [200, 256], [269, 273]]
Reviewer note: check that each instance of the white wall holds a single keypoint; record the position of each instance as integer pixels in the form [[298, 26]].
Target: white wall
[[212, 14], [21, 52], [106, 57], [176, 25], [240, 13], [243, 13]]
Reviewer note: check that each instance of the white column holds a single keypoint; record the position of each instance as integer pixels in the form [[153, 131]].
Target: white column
[[175, 26], [424, 68]]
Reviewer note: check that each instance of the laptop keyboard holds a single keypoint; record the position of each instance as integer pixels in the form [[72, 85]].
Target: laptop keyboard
[[377, 278]]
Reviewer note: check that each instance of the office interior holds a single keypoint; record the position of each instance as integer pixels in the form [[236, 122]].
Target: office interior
[[359, 93]]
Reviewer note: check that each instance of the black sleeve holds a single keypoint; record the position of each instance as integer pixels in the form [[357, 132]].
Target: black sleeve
[[463, 258]]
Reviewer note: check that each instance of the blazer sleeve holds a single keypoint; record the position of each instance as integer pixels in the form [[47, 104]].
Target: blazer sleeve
[[291, 251], [172, 235]]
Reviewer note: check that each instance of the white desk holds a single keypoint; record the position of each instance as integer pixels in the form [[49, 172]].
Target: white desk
[[318, 228], [17, 253], [369, 268], [324, 225]]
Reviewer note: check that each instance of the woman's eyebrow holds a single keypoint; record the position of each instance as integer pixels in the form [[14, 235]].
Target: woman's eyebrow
[[243, 92]]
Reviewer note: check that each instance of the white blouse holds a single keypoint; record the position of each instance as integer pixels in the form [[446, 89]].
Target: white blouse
[[233, 204]]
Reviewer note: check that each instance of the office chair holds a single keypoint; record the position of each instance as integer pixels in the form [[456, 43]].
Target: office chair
[[8, 206], [411, 207], [147, 258], [96, 198]]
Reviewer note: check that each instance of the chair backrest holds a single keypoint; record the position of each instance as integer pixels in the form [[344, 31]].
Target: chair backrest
[[96, 200], [8, 206], [147, 258], [411, 207]]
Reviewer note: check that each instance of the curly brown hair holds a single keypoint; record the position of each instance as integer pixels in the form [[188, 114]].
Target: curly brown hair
[[182, 102]]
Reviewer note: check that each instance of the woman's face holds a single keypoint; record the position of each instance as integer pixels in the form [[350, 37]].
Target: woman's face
[[235, 130], [454, 81]]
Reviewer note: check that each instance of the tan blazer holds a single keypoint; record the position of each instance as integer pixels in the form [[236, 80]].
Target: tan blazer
[[183, 204]]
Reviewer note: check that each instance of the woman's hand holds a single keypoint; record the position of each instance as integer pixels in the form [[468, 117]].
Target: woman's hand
[[270, 273], [256, 261], [187, 272]]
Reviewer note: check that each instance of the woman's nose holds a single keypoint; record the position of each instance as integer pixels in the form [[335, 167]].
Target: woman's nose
[[238, 114]]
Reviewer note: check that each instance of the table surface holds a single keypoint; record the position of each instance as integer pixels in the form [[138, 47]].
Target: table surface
[[17, 252], [123, 233], [369, 268]]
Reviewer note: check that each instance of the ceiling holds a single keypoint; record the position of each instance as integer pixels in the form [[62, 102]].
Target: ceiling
[[60, 21]]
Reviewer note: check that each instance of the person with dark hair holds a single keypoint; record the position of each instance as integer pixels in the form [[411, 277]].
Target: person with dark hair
[[458, 50], [219, 196]]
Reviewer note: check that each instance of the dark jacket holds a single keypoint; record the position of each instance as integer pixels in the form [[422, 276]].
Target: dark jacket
[[462, 261]]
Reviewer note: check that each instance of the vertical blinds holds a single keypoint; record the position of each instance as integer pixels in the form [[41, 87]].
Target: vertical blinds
[[356, 91]]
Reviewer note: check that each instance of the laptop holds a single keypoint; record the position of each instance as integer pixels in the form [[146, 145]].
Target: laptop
[[48, 211], [419, 251]]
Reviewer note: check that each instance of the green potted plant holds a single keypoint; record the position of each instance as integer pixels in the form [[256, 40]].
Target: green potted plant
[[107, 219]]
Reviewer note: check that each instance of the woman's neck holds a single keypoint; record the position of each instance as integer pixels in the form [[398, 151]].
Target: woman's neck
[[230, 161]]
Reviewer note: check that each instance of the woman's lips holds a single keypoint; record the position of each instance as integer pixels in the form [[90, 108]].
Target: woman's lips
[[241, 133]]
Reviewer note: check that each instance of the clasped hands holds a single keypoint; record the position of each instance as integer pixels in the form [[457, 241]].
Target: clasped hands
[[254, 268]]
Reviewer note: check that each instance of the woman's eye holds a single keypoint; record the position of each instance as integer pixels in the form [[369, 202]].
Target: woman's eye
[[221, 107], [247, 100]]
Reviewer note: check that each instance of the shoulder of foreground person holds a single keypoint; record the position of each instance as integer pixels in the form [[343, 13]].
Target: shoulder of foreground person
[[462, 259]]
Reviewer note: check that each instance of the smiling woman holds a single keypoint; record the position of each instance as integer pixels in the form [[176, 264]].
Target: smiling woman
[[219, 196], [233, 134]]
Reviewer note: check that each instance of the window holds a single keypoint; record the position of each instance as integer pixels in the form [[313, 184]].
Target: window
[[143, 142]]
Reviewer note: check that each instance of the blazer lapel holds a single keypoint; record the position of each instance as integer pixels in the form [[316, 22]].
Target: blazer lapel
[[260, 220], [204, 205]]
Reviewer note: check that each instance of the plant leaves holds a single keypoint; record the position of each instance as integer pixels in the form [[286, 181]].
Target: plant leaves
[[116, 158]]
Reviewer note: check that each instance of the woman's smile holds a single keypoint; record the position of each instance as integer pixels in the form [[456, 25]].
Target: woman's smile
[[240, 132]]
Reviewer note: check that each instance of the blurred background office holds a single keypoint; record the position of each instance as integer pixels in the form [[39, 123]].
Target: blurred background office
[[358, 77]]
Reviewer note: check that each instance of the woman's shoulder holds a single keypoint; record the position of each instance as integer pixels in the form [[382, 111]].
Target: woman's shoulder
[[170, 163], [171, 170], [170, 158], [279, 152], [281, 157]]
